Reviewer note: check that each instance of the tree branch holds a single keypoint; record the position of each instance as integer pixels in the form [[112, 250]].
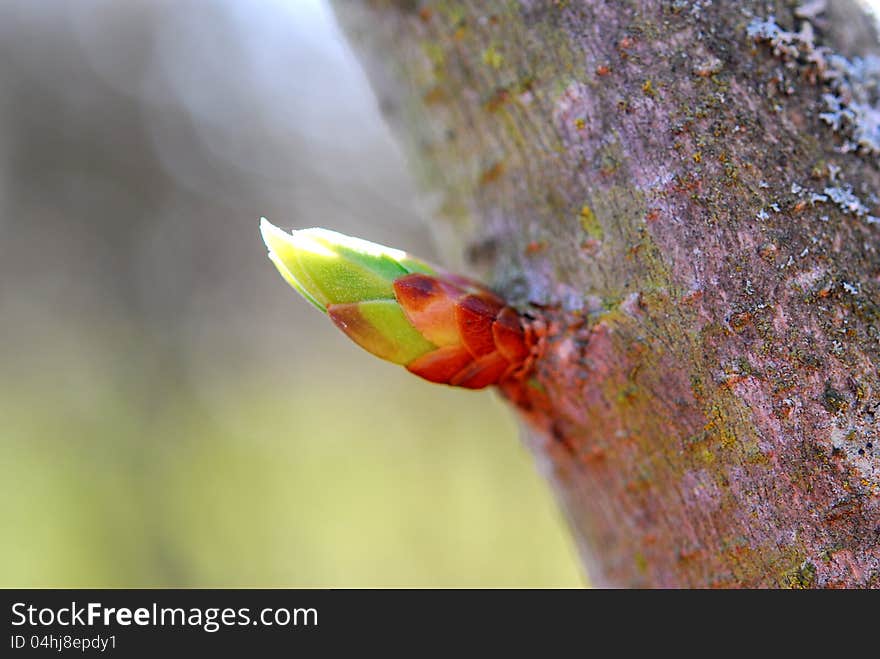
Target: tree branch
[[688, 192]]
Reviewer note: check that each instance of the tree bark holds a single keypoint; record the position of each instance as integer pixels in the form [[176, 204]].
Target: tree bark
[[687, 193]]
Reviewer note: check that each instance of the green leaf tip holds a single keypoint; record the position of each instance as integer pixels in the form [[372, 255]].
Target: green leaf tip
[[327, 267], [353, 281]]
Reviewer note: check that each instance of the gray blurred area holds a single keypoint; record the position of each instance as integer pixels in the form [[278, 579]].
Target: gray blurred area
[[142, 140], [170, 412]]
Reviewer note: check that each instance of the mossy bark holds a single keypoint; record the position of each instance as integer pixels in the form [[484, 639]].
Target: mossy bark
[[655, 182]]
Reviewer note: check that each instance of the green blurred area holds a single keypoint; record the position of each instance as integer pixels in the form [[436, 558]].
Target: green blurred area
[[344, 472], [171, 413]]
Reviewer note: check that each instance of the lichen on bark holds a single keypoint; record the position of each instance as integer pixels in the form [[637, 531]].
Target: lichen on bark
[[666, 191]]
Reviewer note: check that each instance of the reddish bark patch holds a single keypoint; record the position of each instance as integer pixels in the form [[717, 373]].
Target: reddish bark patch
[[492, 174], [536, 246], [498, 99]]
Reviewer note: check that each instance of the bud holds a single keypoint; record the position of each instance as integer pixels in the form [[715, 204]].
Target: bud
[[442, 327]]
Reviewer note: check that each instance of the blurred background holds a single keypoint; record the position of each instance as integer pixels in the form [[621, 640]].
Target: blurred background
[[171, 413]]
